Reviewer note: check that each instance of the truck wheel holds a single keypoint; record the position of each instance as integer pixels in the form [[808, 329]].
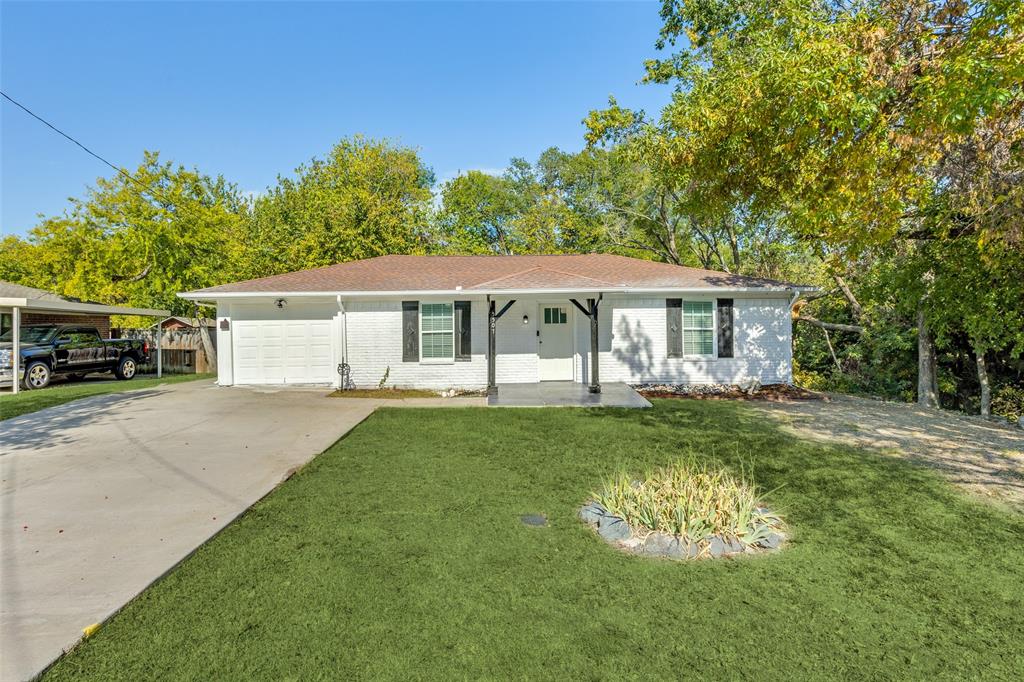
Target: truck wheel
[[126, 368], [37, 375]]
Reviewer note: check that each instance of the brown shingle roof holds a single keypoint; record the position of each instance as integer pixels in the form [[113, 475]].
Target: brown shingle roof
[[589, 272]]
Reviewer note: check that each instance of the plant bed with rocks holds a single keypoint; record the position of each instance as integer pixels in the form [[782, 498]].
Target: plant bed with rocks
[[749, 391], [684, 511]]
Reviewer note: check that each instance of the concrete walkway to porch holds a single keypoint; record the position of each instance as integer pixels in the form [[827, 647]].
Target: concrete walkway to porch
[[565, 394]]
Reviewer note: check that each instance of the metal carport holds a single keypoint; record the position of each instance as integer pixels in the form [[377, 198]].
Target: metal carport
[[16, 299]]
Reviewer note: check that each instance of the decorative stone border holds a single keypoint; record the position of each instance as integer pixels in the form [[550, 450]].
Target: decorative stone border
[[748, 387], [616, 532]]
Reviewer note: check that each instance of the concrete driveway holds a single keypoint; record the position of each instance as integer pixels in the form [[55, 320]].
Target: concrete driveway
[[102, 496]]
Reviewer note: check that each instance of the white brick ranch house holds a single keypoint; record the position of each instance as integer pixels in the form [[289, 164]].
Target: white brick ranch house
[[481, 321]]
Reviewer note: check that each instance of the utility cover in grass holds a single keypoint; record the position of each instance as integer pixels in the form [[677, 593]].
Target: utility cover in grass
[[534, 519], [687, 510]]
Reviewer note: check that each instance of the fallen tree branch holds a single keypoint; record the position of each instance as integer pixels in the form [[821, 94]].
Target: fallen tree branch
[[815, 295], [832, 350], [830, 325]]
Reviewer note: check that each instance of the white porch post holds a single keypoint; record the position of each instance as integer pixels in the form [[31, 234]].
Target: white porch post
[[15, 348], [159, 349]]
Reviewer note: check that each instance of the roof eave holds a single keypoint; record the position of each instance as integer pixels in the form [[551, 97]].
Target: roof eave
[[46, 305], [220, 295]]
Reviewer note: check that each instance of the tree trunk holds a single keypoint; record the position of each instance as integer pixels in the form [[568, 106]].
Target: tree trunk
[[927, 392], [204, 335], [855, 307], [986, 389], [734, 246]]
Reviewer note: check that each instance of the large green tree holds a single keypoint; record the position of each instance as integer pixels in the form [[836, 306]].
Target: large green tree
[[653, 205], [530, 208], [844, 113], [478, 215], [604, 199], [857, 124], [365, 198], [135, 238], [976, 292]]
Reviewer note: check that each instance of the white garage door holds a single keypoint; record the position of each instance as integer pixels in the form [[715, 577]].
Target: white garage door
[[283, 352]]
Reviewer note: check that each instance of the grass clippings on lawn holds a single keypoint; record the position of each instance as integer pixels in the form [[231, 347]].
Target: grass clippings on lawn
[[399, 553], [26, 401]]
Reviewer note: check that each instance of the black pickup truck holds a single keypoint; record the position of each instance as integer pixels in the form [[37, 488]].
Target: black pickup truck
[[71, 350]]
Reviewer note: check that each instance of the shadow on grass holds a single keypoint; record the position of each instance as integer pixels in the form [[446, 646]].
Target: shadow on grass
[[983, 457], [399, 553], [834, 491], [40, 432]]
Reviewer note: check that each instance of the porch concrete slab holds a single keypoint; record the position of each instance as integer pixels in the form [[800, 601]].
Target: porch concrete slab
[[101, 496], [566, 394]]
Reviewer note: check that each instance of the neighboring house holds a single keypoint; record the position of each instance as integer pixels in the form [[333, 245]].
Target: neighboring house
[[429, 322], [171, 324], [38, 306], [175, 323]]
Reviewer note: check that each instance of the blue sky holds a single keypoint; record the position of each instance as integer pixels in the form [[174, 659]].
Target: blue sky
[[251, 90]]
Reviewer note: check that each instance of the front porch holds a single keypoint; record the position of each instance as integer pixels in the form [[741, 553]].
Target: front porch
[[565, 394], [552, 333]]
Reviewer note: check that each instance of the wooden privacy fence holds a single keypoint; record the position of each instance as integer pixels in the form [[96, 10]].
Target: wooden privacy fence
[[175, 361], [182, 350]]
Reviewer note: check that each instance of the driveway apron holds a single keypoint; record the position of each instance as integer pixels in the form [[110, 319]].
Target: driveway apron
[[102, 496]]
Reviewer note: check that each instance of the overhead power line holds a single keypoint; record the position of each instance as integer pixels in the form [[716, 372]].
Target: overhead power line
[[144, 189], [71, 139]]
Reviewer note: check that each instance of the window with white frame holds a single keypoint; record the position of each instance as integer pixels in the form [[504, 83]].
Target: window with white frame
[[698, 328], [437, 331]]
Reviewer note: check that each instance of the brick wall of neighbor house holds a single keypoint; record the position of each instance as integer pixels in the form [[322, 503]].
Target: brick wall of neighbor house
[[101, 322], [633, 344]]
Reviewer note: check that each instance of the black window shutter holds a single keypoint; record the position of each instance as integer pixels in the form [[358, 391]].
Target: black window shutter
[[464, 331], [410, 331], [674, 326], [725, 327]]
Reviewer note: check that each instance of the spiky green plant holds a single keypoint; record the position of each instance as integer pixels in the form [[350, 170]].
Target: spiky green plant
[[692, 500]]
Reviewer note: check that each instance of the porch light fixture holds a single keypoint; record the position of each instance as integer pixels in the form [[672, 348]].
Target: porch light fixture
[[526, 319]]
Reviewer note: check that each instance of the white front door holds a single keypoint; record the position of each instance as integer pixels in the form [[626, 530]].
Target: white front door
[[555, 342]]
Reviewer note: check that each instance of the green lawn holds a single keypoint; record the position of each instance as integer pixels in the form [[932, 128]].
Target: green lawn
[[12, 405], [399, 554]]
